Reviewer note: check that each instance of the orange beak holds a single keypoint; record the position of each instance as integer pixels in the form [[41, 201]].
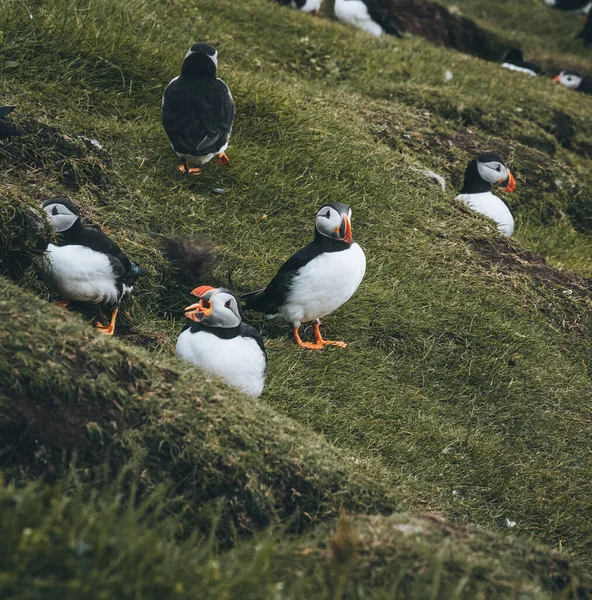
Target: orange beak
[[347, 236], [511, 183], [198, 312], [202, 290], [556, 78]]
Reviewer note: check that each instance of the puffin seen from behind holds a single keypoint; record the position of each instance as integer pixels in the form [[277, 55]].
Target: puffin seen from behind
[[369, 15], [198, 111], [480, 176], [85, 265], [220, 343], [312, 6], [572, 80], [316, 280], [513, 59]]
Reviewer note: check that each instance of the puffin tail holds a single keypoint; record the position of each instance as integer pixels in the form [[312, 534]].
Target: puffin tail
[[255, 300]]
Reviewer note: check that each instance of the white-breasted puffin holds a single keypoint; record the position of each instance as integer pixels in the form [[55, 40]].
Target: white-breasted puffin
[[574, 81], [220, 343], [369, 15], [570, 5], [513, 59], [198, 111], [480, 176], [311, 6], [316, 280], [85, 265]]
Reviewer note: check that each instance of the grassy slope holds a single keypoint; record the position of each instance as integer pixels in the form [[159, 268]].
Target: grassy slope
[[468, 367]]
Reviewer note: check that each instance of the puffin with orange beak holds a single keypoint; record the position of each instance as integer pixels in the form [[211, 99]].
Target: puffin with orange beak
[[220, 343], [316, 280], [481, 175]]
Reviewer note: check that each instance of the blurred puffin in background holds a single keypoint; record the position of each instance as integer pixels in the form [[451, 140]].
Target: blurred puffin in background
[[198, 111], [220, 343], [586, 33], [311, 6], [570, 5], [369, 15], [85, 265], [513, 59], [481, 174], [316, 280]]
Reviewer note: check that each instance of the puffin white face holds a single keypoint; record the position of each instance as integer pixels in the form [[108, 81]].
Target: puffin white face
[[569, 80], [333, 224], [492, 172], [216, 308], [60, 216]]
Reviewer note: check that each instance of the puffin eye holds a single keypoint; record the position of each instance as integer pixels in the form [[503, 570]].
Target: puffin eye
[[227, 303], [498, 168], [328, 214], [54, 210]]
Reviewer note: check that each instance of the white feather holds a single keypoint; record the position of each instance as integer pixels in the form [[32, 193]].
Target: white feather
[[491, 206], [323, 285], [239, 361], [355, 12], [81, 274]]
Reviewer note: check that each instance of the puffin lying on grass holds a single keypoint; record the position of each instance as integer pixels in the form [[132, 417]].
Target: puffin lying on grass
[[574, 81], [369, 15], [514, 60], [480, 176], [220, 343], [312, 6], [85, 265], [317, 279], [198, 111]]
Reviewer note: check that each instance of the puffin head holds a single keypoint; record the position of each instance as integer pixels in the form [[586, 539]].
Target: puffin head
[[333, 221], [201, 60], [61, 212], [217, 307], [569, 79], [492, 168]]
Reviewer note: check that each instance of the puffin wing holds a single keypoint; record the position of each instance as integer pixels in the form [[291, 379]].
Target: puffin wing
[[379, 14], [249, 331], [197, 115]]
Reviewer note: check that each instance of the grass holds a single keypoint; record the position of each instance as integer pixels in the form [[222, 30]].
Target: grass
[[466, 387]]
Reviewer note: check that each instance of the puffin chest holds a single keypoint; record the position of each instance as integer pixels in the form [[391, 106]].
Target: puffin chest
[[324, 284]]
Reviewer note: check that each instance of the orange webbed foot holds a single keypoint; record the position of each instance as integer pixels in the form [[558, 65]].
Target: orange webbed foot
[[319, 338], [222, 159], [108, 329], [308, 345], [62, 303], [185, 168]]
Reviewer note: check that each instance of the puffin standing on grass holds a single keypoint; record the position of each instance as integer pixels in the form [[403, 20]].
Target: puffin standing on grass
[[312, 6], [198, 111], [85, 265], [317, 279], [220, 343], [369, 15], [480, 176], [574, 81]]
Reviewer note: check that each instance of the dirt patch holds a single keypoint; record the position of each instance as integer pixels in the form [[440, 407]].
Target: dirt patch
[[436, 23]]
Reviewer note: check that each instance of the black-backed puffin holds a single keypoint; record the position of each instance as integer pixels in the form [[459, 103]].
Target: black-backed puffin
[[85, 265], [369, 15], [570, 5], [586, 33], [6, 129], [198, 110], [574, 81], [220, 343], [317, 279], [480, 176], [312, 6], [514, 60]]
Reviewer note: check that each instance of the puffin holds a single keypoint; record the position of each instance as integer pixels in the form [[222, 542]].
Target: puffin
[[316, 280], [480, 176], [312, 6], [570, 5], [586, 33], [7, 130], [574, 81], [85, 265], [369, 15], [198, 111], [513, 59], [220, 343]]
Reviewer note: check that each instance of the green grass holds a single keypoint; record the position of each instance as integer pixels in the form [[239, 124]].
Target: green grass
[[468, 369]]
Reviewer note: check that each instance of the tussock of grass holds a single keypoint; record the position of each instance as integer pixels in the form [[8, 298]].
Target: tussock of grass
[[468, 367]]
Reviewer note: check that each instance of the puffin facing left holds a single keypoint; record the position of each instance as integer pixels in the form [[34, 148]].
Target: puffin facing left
[[220, 343], [85, 265], [198, 111]]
